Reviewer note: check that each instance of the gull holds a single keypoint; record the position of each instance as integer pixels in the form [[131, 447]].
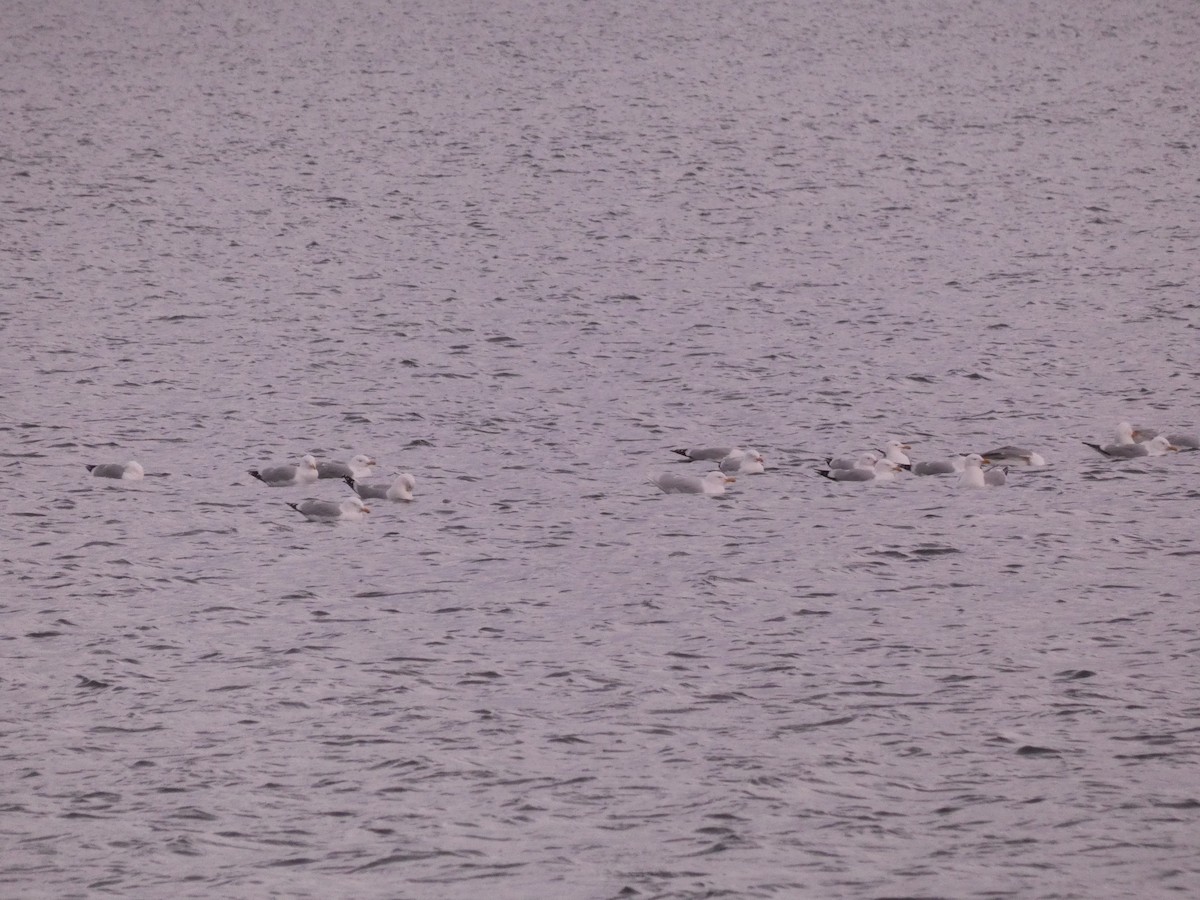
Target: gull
[[893, 451], [882, 470], [743, 462], [1014, 456], [331, 510], [284, 476], [1179, 439], [130, 471], [357, 467], [997, 476], [865, 461], [400, 489], [1158, 446], [972, 473], [939, 466], [712, 484], [1126, 434], [713, 454]]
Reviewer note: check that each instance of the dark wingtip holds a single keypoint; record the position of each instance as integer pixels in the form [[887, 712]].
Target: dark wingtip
[[254, 472], [92, 466], [349, 479], [680, 452], [1095, 447], [295, 506], [825, 472], [907, 467]]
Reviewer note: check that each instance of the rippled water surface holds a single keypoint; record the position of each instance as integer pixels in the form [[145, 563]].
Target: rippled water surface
[[523, 250]]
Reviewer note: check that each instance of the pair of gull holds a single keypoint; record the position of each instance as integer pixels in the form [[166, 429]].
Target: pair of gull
[[969, 468], [309, 470], [731, 462], [1134, 443]]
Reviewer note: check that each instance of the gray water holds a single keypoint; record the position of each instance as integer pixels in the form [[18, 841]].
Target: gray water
[[522, 250]]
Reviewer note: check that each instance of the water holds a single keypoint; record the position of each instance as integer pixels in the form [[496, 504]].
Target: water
[[522, 250]]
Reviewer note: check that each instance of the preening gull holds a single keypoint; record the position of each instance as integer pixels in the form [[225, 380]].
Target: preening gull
[[1127, 435], [1014, 456], [1159, 446], [285, 476], [864, 461], [400, 489], [882, 470], [712, 484], [130, 471], [331, 510], [1177, 438], [712, 454], [743, 462], [972, 473], [893, 451], [357, 467]]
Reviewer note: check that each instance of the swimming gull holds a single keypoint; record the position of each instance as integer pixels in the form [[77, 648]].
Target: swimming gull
[[1126, 434], [743, 462], [939, 466], [972, 473], [357, 467], [1014, 456], [130, 471], [713, 454], [997, 476], [284, 476], [1177, 438], [1158, 446], [864, 461], [331, 510], [882, 470], [400, 489], [712, 484], [894, 452]]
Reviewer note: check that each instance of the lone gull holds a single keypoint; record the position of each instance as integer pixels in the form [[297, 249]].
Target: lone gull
[[712, 484], [331, 510], [400, 489], [130, 471], [285, 476]]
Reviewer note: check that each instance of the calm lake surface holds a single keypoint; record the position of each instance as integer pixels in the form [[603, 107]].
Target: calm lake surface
[[523, 250]]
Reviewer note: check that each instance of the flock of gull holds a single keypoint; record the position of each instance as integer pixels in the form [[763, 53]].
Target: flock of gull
[[884, 465], [307, 471]]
